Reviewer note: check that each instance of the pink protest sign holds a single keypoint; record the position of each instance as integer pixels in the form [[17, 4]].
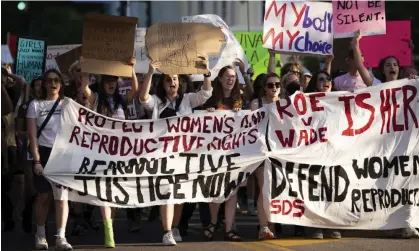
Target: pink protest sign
[[351, 16], [394, 43]]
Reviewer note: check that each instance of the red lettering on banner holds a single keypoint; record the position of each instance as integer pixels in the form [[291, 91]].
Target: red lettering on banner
[[314, 101], [285, 142], [292, 37], [359, 102], [285, 207], [282, 109], [300, 109], [389, 106]]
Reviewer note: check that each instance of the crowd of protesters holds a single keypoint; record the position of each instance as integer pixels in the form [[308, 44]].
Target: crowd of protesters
[[30, 120]]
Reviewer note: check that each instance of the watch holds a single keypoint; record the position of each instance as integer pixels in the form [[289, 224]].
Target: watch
[[207, 75]]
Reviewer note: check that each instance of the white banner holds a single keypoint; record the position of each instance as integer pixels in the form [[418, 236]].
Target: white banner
[[346, 160], [103, 161], [296, 26], [335, 160], [231, 51]]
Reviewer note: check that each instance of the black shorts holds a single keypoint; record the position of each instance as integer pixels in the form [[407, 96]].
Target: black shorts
[[41, 184]]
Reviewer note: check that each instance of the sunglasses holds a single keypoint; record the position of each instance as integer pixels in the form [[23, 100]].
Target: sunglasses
[[324, 79], [55, 80], [272, 85]]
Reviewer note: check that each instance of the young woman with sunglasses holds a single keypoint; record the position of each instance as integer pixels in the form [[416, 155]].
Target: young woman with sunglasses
[[40, 147], [170, 101], [263, 95], [109, 102]]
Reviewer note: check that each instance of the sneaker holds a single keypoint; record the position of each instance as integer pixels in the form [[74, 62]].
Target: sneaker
[[176, 235], [318, 234], [409, 233], [168, 239], [335, 235], [61, 244], [266, 234], [41, 243]]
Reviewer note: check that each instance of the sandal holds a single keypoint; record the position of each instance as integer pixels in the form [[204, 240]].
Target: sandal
[[209, 232], [232, 236]]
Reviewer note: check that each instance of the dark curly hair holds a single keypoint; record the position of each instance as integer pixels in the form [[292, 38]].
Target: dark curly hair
[[103, 106], [312, 85]]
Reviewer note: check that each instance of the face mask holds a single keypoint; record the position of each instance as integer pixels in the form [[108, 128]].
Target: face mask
[[293, 87]]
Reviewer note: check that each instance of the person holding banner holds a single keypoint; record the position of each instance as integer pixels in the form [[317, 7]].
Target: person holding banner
[[109, 102], [226, 96], [268, 94], [170, 101], [389, 69], [43, 121]]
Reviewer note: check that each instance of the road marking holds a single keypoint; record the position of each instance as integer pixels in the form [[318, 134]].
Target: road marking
[[289, 242]]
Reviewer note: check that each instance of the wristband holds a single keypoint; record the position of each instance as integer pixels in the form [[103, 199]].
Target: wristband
[[207, 75], [36, 162]]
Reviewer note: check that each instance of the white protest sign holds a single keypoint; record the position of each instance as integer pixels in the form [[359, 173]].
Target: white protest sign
[[230, 51], [54, 51], [140, 51], [299, 27], [345, 160], [332, 160]]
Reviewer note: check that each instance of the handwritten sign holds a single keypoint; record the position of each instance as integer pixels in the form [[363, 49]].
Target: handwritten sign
[[299, 27], [30, 59], [252, 44], [229, 53], [179, 46], [396, 44], [351, 16], [108, 43]]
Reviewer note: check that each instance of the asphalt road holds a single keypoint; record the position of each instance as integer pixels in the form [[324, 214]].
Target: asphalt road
[[149, 239]]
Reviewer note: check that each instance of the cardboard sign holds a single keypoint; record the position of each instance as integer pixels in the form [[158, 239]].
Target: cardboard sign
[[30, 58], [394, 43], [54, 51], [140, 50], [108, 43], [252, 44], [64, 61], [6, 56], [180, 46], [351, 16], [231, 50], [299, 27]]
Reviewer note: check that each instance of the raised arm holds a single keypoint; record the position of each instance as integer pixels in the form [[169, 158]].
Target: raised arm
[[249, 87], [271, 65], [134, 81], [143, 93], [85, 81], [363, 71], [328, 64]]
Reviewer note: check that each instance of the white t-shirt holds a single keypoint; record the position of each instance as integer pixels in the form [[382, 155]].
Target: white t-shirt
[[347, 82], [39, 109]]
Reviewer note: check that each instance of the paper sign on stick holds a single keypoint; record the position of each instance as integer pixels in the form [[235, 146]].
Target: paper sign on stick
[[64, 61], [179, 46], [108, 43], [30, 58], [252, 44], [301, 27], [394, 43], [351, 16]]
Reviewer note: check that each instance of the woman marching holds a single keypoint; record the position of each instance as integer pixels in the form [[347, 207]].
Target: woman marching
[[43, 121], [109, 102], [170, 101]]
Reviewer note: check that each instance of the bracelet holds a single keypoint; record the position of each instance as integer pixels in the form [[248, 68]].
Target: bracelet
[[207, 75], [36, 162]]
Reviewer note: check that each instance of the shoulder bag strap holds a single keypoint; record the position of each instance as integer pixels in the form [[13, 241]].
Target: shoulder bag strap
[[51, 112]]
